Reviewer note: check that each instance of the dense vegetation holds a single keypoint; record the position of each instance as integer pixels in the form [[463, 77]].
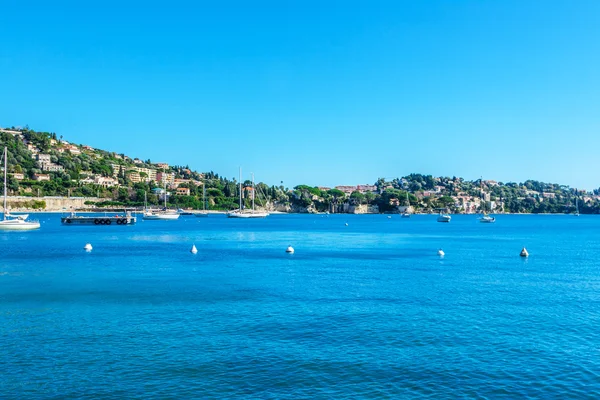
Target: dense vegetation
[[425, 193]]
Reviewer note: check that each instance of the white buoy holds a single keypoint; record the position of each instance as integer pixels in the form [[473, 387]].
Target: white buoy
[[389, 217], [346, 224], [87, 247], [441, 253], [193, 250], [290, 250], [524, 252]]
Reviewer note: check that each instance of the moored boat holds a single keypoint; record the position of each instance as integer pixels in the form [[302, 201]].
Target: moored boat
[[9, 221], [241, 213], [443, 217]]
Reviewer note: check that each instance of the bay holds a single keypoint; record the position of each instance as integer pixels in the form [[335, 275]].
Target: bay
[[366, 310]]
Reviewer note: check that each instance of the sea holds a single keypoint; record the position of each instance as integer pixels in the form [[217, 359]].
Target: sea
[[363, 309]]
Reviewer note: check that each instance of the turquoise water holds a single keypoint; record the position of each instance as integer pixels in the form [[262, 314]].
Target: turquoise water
[[366, 310]]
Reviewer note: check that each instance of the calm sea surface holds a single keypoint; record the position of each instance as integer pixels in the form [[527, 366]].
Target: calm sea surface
[[366, 310]]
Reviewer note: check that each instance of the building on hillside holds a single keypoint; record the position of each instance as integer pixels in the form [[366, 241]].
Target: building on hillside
[[41, 177], [346, 189], [86, 147], [87, 181], [137, 161], [150, 174], [323, 188], [549, 195], [18, 176], [183, 191], [366, 188], [106, 182], [116, 169], [51, 167], [73, 149], [43, 158], [177, 181], [166, 178], [162, 165], [134, 176]]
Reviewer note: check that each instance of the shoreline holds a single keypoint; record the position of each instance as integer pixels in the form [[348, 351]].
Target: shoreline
[[20, 211]]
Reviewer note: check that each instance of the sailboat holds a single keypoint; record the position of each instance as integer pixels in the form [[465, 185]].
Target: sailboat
[[406, 213], [203, 213], [164, 214], [443, 217], [241, 213], [485, 217], [14, 222], [576, 207]]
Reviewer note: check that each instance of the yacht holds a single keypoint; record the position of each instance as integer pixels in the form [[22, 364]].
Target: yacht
[[11, 222], [406, 213], [241, 213], [443, 217], [485, 217], [203, 213], [163, 214]]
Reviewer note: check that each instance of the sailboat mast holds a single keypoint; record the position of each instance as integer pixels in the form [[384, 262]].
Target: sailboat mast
[[240, 189], [204, 196], [5, 167]]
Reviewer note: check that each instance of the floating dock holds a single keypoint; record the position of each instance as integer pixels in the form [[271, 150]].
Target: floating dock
[[73, 219]]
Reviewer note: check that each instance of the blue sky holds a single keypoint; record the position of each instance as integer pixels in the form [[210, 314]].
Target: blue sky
[[316, 92]]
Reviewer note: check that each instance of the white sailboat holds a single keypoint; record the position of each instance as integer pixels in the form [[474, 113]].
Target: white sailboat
[[164, 215], [203, 213], [443, 217], [241, 213], [406, 213], [485, 217], [14, 222], [576, 207]]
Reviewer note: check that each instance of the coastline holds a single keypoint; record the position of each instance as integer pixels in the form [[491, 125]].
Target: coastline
[[215, 212]]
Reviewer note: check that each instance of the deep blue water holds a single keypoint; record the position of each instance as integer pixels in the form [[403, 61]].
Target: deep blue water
[[366, 310]]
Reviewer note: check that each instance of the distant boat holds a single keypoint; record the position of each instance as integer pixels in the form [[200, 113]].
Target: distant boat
[[406, 213], [485, 217], [241, 213], [576, 207], [203, 213], [443, 217], [164, 214], [181, 211], [14, 222]]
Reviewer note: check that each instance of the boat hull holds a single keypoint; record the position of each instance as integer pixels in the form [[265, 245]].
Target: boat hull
[[444, 218], [247, 215], [161, 217], [18, 225]]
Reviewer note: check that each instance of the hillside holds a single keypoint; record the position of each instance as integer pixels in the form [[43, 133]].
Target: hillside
[[42, 164]]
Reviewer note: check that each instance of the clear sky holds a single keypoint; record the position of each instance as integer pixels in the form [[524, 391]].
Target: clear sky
[[316, 92]]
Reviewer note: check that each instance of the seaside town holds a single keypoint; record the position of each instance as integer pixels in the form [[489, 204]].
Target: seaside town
[[47, 172]]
